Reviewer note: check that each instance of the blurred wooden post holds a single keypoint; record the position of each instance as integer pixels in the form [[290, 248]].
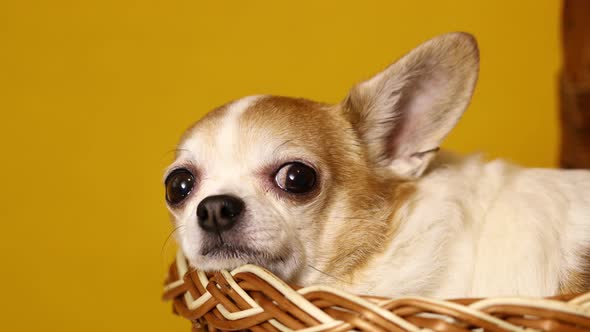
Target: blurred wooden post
[[575, 85]]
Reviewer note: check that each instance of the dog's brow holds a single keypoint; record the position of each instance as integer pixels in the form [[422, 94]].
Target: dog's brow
[[281, 145]]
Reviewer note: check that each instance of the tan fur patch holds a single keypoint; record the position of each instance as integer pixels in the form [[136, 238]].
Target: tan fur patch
[[284, 118], [372, 228], [577, 281]]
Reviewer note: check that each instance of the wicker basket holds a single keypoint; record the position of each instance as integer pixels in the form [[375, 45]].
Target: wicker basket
[[252, 298]]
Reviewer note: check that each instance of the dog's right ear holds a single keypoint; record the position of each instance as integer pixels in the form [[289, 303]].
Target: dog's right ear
[[403, 113]]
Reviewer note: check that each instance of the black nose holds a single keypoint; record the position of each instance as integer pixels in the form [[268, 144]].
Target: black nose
[[219, 213]]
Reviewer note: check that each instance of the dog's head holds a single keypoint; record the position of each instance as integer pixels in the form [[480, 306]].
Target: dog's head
[[299, 186]]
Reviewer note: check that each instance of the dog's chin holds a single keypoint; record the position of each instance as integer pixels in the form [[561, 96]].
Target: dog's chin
[[229, 257]]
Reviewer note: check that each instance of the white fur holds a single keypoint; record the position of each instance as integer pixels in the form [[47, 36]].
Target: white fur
[[219, 164], [487, 229]]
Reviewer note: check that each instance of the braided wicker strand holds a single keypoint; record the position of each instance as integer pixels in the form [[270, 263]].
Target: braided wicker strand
[[252, 298]]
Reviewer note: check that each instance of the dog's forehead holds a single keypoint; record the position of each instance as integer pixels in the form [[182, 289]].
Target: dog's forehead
[[285, 118], [255, 127]]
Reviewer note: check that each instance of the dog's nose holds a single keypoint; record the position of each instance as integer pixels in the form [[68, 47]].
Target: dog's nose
[[219, 213]]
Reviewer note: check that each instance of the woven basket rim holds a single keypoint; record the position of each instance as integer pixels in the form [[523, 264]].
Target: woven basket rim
[[252, 298]]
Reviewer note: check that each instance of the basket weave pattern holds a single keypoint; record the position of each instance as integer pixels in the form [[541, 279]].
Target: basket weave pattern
[[251, 298]]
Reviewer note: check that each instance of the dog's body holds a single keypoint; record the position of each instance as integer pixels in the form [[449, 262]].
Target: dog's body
[[473, 228], [356, 195]]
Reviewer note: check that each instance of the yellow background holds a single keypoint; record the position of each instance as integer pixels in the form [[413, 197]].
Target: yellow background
[[94, 95]]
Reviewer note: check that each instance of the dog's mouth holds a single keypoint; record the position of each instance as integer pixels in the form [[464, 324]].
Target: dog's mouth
[[229, 251]]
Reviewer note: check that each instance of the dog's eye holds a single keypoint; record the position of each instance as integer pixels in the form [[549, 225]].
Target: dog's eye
[[295, 178], [179, 185]]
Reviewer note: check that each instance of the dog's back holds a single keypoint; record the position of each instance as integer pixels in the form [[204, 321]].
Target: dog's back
[[476, 228], [534, 233]]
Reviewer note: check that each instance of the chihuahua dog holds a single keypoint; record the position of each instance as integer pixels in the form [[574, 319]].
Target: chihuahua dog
[[358, 195]]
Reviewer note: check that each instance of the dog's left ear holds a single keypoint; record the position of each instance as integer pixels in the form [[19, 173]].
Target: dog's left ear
[[403, 113]]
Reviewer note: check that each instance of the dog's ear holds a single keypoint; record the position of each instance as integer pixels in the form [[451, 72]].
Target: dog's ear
[[404, 112]]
